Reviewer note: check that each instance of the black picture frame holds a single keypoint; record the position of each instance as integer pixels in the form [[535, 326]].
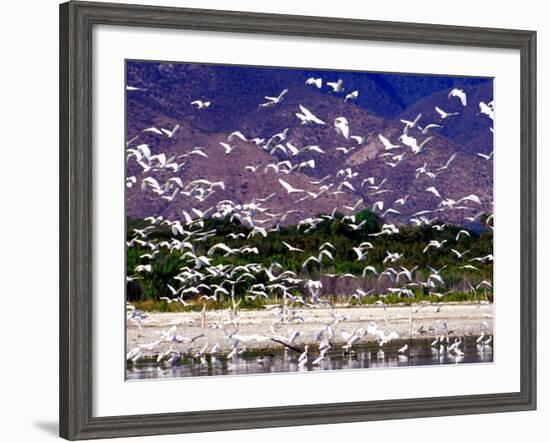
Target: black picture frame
[[77, 20]]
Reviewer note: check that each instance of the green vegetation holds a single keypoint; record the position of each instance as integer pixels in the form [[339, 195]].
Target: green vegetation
[[410, 241]]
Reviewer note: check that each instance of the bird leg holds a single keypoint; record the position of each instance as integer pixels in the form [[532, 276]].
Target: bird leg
[[285, 310], [203, 315], [411, 321], [233, 303]]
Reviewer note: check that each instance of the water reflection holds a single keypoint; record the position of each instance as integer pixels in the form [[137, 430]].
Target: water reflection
[[419, 352]]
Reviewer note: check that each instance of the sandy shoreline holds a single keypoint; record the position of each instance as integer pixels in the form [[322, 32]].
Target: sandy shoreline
[[427, 321]]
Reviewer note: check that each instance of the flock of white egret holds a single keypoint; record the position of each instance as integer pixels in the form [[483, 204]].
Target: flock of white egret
[[198, 280]]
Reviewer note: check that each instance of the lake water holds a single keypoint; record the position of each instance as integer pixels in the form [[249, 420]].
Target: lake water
[[364, 356]]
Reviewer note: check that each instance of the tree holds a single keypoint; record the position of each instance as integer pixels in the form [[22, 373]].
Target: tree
[[373, 223]]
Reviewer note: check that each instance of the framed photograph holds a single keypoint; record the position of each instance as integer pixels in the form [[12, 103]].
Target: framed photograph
[[271, 220]]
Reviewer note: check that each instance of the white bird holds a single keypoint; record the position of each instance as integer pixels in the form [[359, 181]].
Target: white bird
[[134, 355], [176, 299], [307, 117], [170, 133], [313, 149], [460, 94], [410, 124], [341, 125], [444, 114], [483, 259], [392, 257], [347, 185], [236, 134], [458, 254], [327, 254], [408, 273], [199, 104], [155, 220], [252, 168], [272, 101], [289, 188], [348, 172], [426, 128], [473, 218], [397, 159], [462, 232], [369, 180], [143, 268], [257, 231], [292, 248], [371, 269], [380, 184], [309, 163], [215, 349], [280, 167], [388, 211], [434, 191], [471, 197], [448, 163], [351, 96], [486, 157], [378, 205], [325, 245], [311, 259], [352, 337], [235, 235], [228, 250], [403, 349], [388, 145], [361, 255], [402, 201], [195, 151], [257, 141], [153, 130], [302, 360], [346, 150], [321, 356], [413, 143], [486, 109], [337, 86], [130, 181], [358, 139], [134, 88], [469, 267], [355, 227], [434, 243], [318, 82], [227, 147]]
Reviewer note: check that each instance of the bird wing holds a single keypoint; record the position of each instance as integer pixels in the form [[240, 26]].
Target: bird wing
[[153, 129], [441, 112], [424, 143], [309, 115], [237, 134], [288, 187], [343, 128], [228, 148], [282, 94]]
